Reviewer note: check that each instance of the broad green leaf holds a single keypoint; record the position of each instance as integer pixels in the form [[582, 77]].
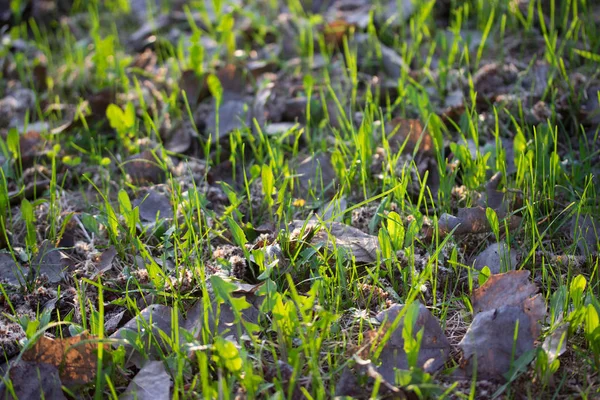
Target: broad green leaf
[[396, 230], [116, 117]]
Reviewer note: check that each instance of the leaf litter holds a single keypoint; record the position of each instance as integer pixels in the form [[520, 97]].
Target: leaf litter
[[261, 97]]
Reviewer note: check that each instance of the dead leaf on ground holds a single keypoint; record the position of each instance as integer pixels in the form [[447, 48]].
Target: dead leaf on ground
[[15, 106], [591, 108], [75, 357], [31, 145], [152, 382], [9, 270], [434, 350], [359, 381], [49, 261], [194, 86], [493, 80], [412, 132], [498, 257], [585, 231], [156, 319], [502, 302], [154, 205], [34, 380], [235, 112], [555, 343], [372, 61], [362, 246], [180, 137], [144, 168], [511, 288], [474, 219], [105, 261], [314, 173], [100, 101]]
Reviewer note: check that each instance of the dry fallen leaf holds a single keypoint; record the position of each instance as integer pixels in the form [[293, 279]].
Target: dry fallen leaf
[[511, 288], [412, 132], [156, 319], [434, 350], [34, 380], [362, 246], [49, 261], [152, 382], [105, 260], [75, 357], [9, 271], [498, 257], [499, 305], [154, 205], [474, 219], [144, 168], [315, 172]]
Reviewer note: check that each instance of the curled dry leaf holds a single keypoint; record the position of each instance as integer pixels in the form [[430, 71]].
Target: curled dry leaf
[[434, 350], [555, 344], [498, 257], [362, 246], [153, 319], [499, 305], [180, 137], [152, 382], [75, 357]]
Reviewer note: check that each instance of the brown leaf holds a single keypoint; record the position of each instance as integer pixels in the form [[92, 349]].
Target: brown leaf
[[362, 246], [498, 257], [502, 302], [144, 168], [100, 101], [474, 219], [156, 318], [152, 382], [75, 357], [511, 288], [180, 137], [314, 173], [154, 205], [591, 107], [49, 261], [234, 113], [194, 86], [34, 380], [9, 271], [106, 260], [434, 350], [359, 381], [411, 131]]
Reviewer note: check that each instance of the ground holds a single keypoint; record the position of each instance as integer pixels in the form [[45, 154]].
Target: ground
[[301, 199]]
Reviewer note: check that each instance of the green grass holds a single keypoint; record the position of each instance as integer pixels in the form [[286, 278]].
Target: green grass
[[302, 308]]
